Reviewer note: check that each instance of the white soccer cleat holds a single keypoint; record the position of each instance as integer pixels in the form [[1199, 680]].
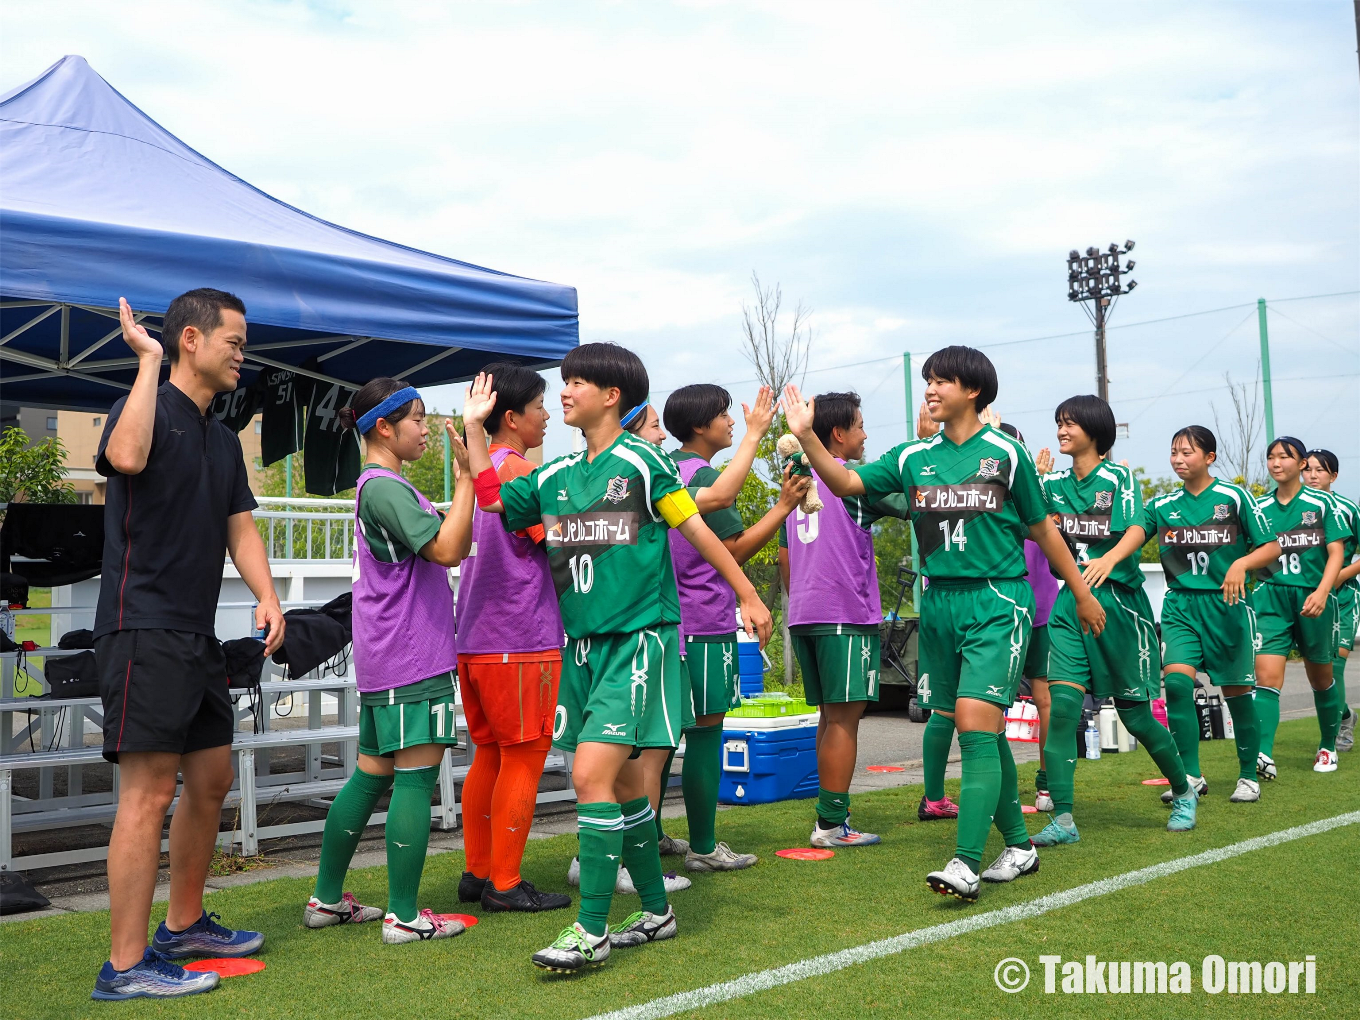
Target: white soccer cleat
[[574, 872], [1326, 761], [840, 835], [347, 911], [427, 925], [1043, 802], [574, 950], [672, 846], [624, 883], [642, 927], [1265, 767], [723, 858], [1198, 782], [1013, 862], [957, 880], [1248, 790], [1345, 736]]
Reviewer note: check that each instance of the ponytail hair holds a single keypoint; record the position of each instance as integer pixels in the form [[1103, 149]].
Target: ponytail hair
[[369, 396], [1199, 437]]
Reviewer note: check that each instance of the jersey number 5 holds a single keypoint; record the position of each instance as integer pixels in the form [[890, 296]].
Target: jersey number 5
[[805, 525]]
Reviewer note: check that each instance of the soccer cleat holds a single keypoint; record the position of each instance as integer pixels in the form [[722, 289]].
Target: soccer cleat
[[1325, 761], [1043, 801], [1248, 790], [624, 883], [470, 888], [840, 835], [641, 927], [1345, 736], [957, 880], [1013, 862], [154, 977], [669, 846], [1055, 833], [347, 911], [427, 925], [1183, 812], [205, 937], [930, 810], [1198, 782], [1265, 767], [523, 898], [574, 950], [723, 858], [574, 873]]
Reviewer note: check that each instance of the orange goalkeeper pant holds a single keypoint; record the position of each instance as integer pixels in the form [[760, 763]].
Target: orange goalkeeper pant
[[499, 796]]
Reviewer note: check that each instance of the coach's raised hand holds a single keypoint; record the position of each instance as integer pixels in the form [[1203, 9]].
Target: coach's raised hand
[[143, 344]]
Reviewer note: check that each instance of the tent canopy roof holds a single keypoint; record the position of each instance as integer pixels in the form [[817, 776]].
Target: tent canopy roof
[[100, 201]]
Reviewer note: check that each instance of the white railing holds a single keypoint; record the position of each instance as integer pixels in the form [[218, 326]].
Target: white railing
[[305, 528]]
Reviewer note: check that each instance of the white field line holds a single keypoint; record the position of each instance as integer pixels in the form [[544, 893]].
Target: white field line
[[816, 966]]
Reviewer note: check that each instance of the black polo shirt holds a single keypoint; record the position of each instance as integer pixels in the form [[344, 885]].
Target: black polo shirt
[[165, 529]]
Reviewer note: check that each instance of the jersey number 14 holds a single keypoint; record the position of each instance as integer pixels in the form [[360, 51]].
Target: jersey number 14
[[954, 538]]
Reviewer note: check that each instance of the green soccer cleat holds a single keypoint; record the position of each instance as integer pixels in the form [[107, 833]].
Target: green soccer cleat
[[1055, 833], [1183, 812]]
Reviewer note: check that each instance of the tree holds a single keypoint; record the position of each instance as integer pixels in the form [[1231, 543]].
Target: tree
[[778, 360], [1240, 435], [33, 473], [427, 474], [1152, 488]]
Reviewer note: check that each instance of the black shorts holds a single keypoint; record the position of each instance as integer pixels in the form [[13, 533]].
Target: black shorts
[[163, 690]]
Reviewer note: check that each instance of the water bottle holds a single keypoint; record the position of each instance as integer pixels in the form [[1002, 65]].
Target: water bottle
[[1092, 740]]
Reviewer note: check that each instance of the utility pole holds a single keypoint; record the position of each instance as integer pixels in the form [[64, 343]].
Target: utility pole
[[1097, 278], [1265, 365]]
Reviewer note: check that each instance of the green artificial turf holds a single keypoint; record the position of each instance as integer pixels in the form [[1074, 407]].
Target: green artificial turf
[[1274, 904]]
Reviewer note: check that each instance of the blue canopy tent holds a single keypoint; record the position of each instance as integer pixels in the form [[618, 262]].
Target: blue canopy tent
[[98, 201]]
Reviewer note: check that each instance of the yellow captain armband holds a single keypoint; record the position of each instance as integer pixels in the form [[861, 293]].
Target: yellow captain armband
[[676, 507]]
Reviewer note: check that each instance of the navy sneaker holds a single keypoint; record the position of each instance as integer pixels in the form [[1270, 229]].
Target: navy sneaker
[[205, 937], [154, 978]]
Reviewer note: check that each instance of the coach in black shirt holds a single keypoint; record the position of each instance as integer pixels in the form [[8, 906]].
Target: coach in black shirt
[[178, 500]]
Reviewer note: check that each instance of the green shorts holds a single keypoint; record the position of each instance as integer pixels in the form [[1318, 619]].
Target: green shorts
[[713, 672], [1348, 608], [620, 689], [419, 713], [839, 662], [1203, 632], [974, 639], [1036, 659], [1282, 625], [1121, 663], [686, 696]]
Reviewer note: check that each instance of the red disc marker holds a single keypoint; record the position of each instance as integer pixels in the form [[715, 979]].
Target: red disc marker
[[884, 768], [1159, 781], [467, 919], [228, 966], [805, 853]]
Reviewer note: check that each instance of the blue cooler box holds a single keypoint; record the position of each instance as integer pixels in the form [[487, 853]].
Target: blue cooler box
[[750, 665], [769, 759]]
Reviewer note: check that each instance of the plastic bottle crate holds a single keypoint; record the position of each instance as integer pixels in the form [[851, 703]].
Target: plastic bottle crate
[[769, 759], [770, 706]]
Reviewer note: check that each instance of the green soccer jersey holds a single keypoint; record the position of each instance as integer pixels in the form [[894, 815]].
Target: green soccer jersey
[[1304, 526], [971, 504], [1201, 536], [1094, 512], [606, 541], [1350, 512], [392, 521]]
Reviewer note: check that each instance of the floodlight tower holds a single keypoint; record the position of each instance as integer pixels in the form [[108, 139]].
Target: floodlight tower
[[1097, 278]]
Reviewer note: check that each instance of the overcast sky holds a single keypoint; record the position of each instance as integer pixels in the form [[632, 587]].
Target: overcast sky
[[916, 173]]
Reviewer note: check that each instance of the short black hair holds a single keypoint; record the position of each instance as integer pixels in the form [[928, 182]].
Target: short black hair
[[1328, 460], [692, 407], [1294, 447], [1012, 431], [607, 365], [369, 396], [1199, 436], [202, 309], [833, 411], [516, 388], [1092, 415], [967, 366]]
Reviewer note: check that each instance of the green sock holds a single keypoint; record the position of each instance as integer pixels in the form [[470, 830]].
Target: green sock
[[408, 837], [832, 807], [1009, 819], [935, 744], [1267, 718], [1183, 720], [665, 781], [1041, 777], [640, 854], [1246, 733], [1137, 716], [1064, 716], [699, 780], [600, 829], [345, 821], [1329, 715], [980, 790], [1339, 676]]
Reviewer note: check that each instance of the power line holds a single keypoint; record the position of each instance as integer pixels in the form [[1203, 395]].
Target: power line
[[1310, 329]]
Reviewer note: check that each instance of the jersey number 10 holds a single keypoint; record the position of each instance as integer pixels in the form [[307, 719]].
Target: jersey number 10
[[582, 573]]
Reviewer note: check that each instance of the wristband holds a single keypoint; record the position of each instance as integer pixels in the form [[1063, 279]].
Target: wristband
[[487, 486]]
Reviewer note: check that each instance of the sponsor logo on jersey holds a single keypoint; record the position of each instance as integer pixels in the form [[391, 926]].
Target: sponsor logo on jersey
[[989, 467], [1084, 525], [1309, 517], [1222, 511], [1301, 538], [987, 497], [1104, 500], [1199, 536], [618, 489], [601, 527]]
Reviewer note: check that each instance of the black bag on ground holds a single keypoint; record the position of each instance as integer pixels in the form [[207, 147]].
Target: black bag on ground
[[72, 676], [314, 636], [74, 639], [17, 896]]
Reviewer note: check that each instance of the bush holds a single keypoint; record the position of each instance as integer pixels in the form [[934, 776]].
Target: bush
[[33, 474]]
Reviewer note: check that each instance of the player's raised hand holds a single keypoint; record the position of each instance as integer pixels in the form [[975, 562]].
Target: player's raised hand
[[761, 416], [926, 426], [989, 417], [480, 402], [135, 334], [797, 411], [456, 447], [1043, 461]]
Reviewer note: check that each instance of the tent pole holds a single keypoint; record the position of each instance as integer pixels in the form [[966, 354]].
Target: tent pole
[[448, 464]]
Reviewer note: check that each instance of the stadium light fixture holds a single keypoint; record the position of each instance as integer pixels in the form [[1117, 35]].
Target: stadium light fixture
[[1096, 278]]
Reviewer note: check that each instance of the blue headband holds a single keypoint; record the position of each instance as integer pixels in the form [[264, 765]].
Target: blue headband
[[627, 419], [370, 418]]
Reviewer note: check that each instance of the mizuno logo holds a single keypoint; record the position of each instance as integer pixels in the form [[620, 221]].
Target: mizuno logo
[[352, 832], [927, 471], [512, 828], [614, 729], [79, 534], [612, 857], [1175, 515], [561, 495], [642, 844], [1072, 761], [403, 845], [178, 432], [993, 690]]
